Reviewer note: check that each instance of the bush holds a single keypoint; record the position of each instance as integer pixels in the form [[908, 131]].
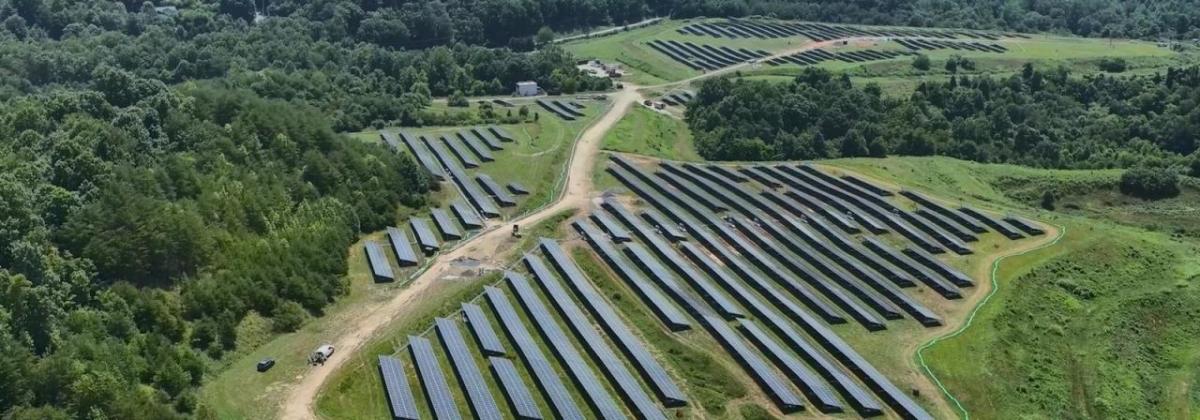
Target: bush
[[1195, 168], [458, 99], [921, 62], [1113, 64], [288, 317], [1150, 183]]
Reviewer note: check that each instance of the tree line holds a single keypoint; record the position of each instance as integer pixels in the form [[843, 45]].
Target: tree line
[[140, 224], [1041, 118]]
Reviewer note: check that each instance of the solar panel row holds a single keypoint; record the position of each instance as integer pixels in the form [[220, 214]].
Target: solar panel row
[[483, 405], [560, 345], [395, 385], [381, 269], [662, 384], [658, 303], [402, 248], [481, 327], [605, 358], [556, 393], [515, 392], [433, 381]]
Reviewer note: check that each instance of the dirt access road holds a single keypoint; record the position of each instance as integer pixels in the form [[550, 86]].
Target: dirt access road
[[299, 400]]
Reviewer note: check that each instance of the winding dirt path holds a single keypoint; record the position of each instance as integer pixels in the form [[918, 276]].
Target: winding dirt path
[[360, 327]]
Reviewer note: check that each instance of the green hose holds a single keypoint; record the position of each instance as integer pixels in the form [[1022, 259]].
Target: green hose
[[1062, 230]]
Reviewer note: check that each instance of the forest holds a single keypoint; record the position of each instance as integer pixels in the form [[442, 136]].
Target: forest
[[1040, 118], [169, 167]]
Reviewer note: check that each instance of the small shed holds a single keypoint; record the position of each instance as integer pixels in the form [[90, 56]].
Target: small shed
[[527, 88]]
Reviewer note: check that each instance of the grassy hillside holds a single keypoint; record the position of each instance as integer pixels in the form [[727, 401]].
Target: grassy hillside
[[1100, 326], [649, 67], [650, 133]]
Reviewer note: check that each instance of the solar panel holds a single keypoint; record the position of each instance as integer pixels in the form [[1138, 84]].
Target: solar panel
[[699, 281], [481, 327], [775, 387], [395, 384], [1025, 225], [958, 218], [662, 384], [503, 197], [560, 344], [466, 215], [476, 145], [946, 224], [482, 202], [854, 394], [543, 372], [515, 392], [380, 268], [991, 222], [666, 227], [429, 370], [950, 273], [501, 133], [442, 219], [483, 405], [931, 279], [804, 378], [595, 345], [488, 138], [402, 248], [517, 188], [614, 229], [460, 150], [423, 156], [658, 303], [425, 236]]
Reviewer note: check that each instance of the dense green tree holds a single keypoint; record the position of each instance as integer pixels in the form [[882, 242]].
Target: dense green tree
[[1150, 183]]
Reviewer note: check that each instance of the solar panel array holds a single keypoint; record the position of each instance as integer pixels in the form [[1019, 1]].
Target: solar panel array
[[561, 109], [766, 29], [818, 55], [798, 228], [705, 57], [763, 268]]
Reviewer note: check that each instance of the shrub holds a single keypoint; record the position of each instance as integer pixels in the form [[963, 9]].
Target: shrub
[[921, 62], [458, 99], [1113, 64], [1195, 168], [1150, 183]]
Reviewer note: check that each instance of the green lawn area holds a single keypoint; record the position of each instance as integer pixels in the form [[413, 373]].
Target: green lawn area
[[650, 67], [1101, 325], [647, 132]]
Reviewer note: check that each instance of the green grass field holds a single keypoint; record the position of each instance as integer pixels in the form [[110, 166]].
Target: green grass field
[[650, 133], [649, 67]]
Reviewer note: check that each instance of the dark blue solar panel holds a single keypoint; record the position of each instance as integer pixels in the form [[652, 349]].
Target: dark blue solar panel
[[666, 389], [380, 268], [437, 390], [515, 390], [405, 255], [481, 327], [560, 344], [564, 406], [483, 405], [606, 359], [395, 384]]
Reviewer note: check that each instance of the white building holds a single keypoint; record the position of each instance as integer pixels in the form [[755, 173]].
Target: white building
[[527, 89]]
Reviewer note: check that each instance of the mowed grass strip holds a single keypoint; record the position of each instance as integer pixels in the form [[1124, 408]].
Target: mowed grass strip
[[650, 133]]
